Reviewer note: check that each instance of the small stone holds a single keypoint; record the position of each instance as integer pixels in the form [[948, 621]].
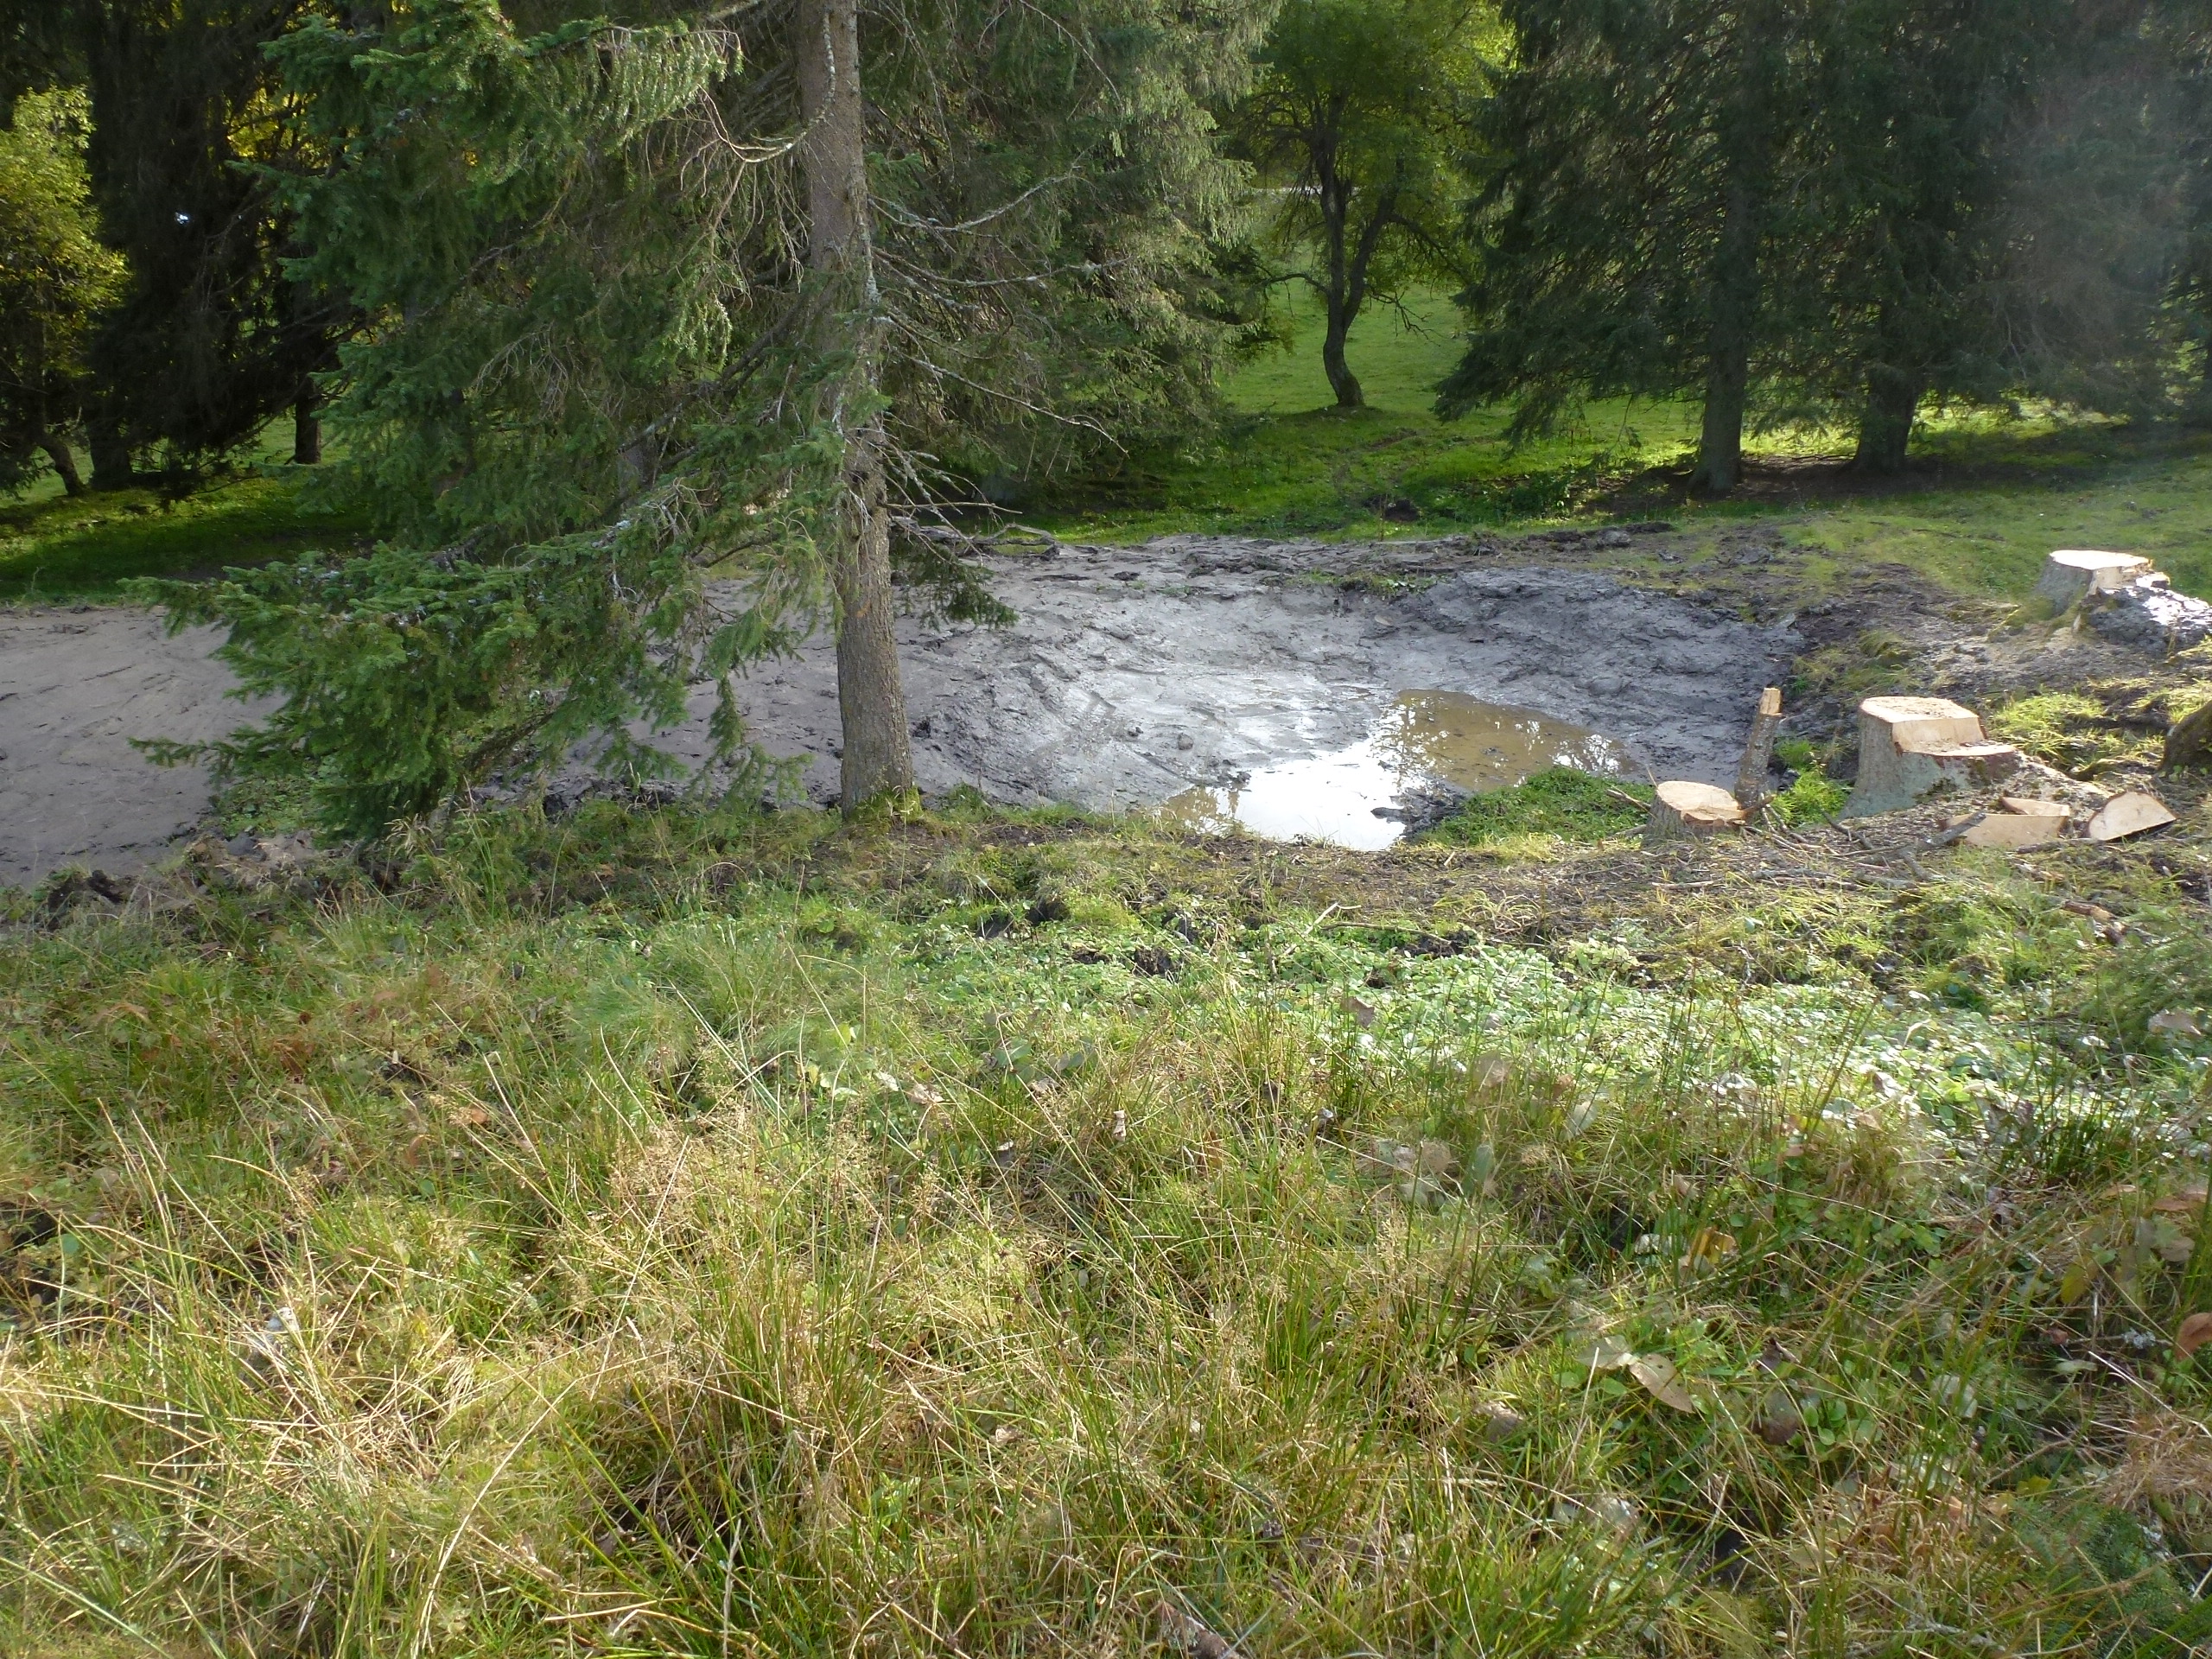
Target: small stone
[[2148, 615]]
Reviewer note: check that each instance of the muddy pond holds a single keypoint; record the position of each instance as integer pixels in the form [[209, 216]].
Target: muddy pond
[[1426, 743], [1294, 688]]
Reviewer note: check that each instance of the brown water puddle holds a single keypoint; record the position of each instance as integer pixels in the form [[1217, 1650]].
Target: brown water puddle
[[1424, 738]]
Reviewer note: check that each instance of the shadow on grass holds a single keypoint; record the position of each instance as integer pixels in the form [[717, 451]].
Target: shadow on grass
[[85, 548]]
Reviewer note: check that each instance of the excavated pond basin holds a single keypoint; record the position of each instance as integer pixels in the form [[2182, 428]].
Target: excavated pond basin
[[1262, 674]]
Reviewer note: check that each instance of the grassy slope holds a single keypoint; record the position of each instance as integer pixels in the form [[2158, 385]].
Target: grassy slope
[[650, 1236]]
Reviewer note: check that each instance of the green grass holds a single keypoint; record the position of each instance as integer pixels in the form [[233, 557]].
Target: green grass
[[1561, 803], [663, 1235], [53, 547]]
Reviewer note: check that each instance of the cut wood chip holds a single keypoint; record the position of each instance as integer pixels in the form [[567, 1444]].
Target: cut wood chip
[[2014, 830], [1656, 1372], [2196, 1330], [2029, 808], [2128, 814]]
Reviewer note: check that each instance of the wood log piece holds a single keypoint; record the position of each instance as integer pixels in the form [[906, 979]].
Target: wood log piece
[[2128, 814], [1681, 808], [1759, 751]]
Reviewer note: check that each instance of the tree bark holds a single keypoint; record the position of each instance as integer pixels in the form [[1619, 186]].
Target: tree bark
[[65, 462], [1885, 421], [871, 698], [1340, 302], [111, 455], [307, 427], [1342, 380], [1734, 295]]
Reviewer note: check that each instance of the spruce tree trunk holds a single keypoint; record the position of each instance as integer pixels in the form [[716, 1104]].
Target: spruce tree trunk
[[1734, 298], [871, 700], [1885, 422], [65, 463], [111, 455], [307, 428]]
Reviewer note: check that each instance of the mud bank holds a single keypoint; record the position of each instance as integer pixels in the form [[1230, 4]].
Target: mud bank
[[1135, 673], [1132, 676]]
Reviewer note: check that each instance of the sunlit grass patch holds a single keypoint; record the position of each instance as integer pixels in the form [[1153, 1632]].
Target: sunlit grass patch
[[1563, 803]]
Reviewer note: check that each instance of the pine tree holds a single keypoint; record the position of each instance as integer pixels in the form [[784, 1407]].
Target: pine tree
[[1360, 117], [637, 312], [1638, 190], [54, 277], [212, 336]]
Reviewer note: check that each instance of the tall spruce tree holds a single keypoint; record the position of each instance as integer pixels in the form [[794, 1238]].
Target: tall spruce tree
[[1360, 119], [744, 292], [1918, 126], [212, 336], [1638, 190]]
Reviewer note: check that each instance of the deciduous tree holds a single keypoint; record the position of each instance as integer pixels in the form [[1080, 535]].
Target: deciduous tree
[[1360, 121], [54, 277]]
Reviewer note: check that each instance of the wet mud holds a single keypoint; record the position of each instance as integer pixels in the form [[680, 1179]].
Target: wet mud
[[76, 686], [1133, 675]]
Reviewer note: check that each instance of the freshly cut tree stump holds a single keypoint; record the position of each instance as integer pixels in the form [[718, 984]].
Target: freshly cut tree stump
[[1758, 750], [1687, 809], [1909, 747], [2072, 574], [2130, 813]]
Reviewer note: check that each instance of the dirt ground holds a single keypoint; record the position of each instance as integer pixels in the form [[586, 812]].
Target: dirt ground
[[75, 686], [1136, 673]]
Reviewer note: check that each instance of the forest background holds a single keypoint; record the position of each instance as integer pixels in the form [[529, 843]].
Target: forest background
[[563, 286]]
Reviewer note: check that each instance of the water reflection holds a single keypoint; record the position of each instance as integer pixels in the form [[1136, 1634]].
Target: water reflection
[[1424, 738]]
